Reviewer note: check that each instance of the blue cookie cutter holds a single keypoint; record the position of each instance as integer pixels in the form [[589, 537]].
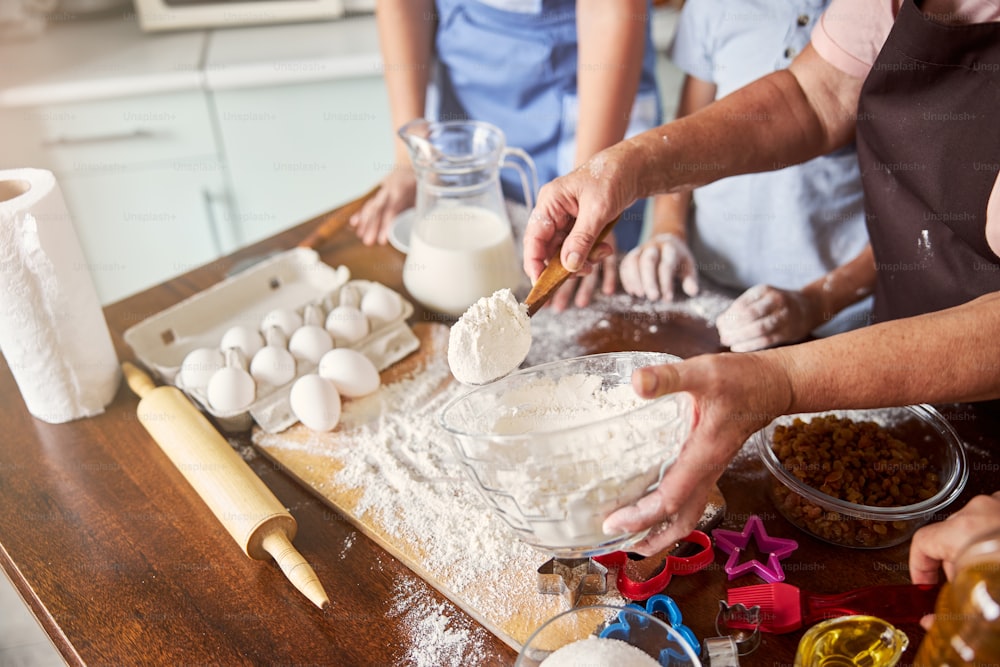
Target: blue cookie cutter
[[662, 604]]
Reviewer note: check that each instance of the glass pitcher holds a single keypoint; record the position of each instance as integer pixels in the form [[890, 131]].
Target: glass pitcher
[[461, 246]]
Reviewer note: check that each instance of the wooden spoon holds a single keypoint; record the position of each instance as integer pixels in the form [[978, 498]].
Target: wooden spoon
[[554, 275]]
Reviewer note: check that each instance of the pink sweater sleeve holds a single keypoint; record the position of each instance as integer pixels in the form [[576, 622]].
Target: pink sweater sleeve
[[850, 33]]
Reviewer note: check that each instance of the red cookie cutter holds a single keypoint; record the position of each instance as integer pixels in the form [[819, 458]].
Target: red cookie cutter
[[643, 590]]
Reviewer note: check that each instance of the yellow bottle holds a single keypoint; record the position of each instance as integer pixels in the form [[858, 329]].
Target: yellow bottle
[[966, 628]]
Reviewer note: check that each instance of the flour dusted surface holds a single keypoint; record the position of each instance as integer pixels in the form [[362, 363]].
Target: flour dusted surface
[[559, 335], [439, 640]]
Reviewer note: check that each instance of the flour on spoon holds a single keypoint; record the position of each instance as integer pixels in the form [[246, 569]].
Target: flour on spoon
[[490, 340]]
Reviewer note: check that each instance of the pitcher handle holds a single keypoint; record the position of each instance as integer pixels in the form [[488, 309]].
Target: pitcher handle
[[530, 189]]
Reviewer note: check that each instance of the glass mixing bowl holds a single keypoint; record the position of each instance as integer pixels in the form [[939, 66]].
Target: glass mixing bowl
[[597, 624], [555, 448], [938, 450]]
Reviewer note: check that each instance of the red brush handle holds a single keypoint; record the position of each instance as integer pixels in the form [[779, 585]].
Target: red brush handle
[[904, 603]]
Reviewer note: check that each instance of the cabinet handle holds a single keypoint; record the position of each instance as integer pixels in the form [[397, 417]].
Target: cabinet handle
[[219, 213], [208, 199], [130, 135]]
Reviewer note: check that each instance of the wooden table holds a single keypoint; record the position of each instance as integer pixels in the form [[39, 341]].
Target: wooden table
[[123, 564]]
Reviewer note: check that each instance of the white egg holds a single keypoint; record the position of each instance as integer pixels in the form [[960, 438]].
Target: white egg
[[310, 343], [351, 372], [285, 319], [231, 389], [273, 365], [246, 339], [381, 305], [349, 296], [315, 402], [198, 367], [347, 325]]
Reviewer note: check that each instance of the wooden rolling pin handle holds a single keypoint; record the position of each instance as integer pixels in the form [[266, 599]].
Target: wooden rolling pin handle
[[138, 382], [295, 567]]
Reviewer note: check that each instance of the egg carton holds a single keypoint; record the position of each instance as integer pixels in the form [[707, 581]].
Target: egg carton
[[294, 279]]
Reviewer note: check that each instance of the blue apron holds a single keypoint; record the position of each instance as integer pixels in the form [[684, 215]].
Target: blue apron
[[513, 63]]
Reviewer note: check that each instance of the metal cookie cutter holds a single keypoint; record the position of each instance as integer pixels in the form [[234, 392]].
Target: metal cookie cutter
[[572, 577], [721, 652], [746, 633], [642, 590], [664, 608]]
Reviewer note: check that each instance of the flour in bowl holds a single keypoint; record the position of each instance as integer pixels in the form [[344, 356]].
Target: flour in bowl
[[558, 454], [490, 340]]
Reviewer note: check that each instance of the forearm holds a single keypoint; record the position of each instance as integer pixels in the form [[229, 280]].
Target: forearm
[[781, 119], [842, 287], [612, 39], [942, 357], [406, 32], [670, 213]]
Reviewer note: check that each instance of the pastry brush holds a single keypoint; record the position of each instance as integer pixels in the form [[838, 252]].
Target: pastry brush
[[785, 607]]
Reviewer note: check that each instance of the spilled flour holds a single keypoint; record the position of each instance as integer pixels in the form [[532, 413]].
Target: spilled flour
[[439, 639]]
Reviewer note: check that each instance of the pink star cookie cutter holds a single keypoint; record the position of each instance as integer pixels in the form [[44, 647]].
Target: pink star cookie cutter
[[734, 543]]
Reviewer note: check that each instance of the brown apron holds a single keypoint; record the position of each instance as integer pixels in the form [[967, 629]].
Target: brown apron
[[928, 136]]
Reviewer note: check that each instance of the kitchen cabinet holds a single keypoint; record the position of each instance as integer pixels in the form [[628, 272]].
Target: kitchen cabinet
[[297, 150], [173, 149], [141, 226], [141, 177]]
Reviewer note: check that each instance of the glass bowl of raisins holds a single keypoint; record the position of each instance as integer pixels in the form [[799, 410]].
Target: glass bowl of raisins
[[865, 479]]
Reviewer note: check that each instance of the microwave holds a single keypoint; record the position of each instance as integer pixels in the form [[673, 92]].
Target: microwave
[[156, 15]]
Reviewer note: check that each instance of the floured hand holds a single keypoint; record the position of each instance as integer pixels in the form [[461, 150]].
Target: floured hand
[[765, 316], [653, 268], [734, 395]]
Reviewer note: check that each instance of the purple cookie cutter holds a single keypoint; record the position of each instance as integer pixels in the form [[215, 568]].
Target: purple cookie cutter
[[734, 543]]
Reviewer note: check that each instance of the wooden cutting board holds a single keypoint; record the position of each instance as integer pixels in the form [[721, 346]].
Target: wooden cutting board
[[500, 590]]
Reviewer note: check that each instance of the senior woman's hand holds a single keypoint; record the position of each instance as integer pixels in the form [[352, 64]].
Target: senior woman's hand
[[573, 209], [734, 396], [580, 289]]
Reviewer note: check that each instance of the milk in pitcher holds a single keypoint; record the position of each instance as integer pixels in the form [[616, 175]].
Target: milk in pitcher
[[458, 254]]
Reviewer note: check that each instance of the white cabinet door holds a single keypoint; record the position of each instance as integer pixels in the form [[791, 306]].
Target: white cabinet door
[[142, 180], [141, 227], [298, 150]]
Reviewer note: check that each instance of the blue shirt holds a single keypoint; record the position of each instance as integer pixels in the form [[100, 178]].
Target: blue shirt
[[784, 228], [513, 63]]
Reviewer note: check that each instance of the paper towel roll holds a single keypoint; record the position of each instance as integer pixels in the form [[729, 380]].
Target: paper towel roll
[[52, 329]]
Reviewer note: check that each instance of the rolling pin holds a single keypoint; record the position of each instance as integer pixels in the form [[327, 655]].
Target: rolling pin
[[257, 520]]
